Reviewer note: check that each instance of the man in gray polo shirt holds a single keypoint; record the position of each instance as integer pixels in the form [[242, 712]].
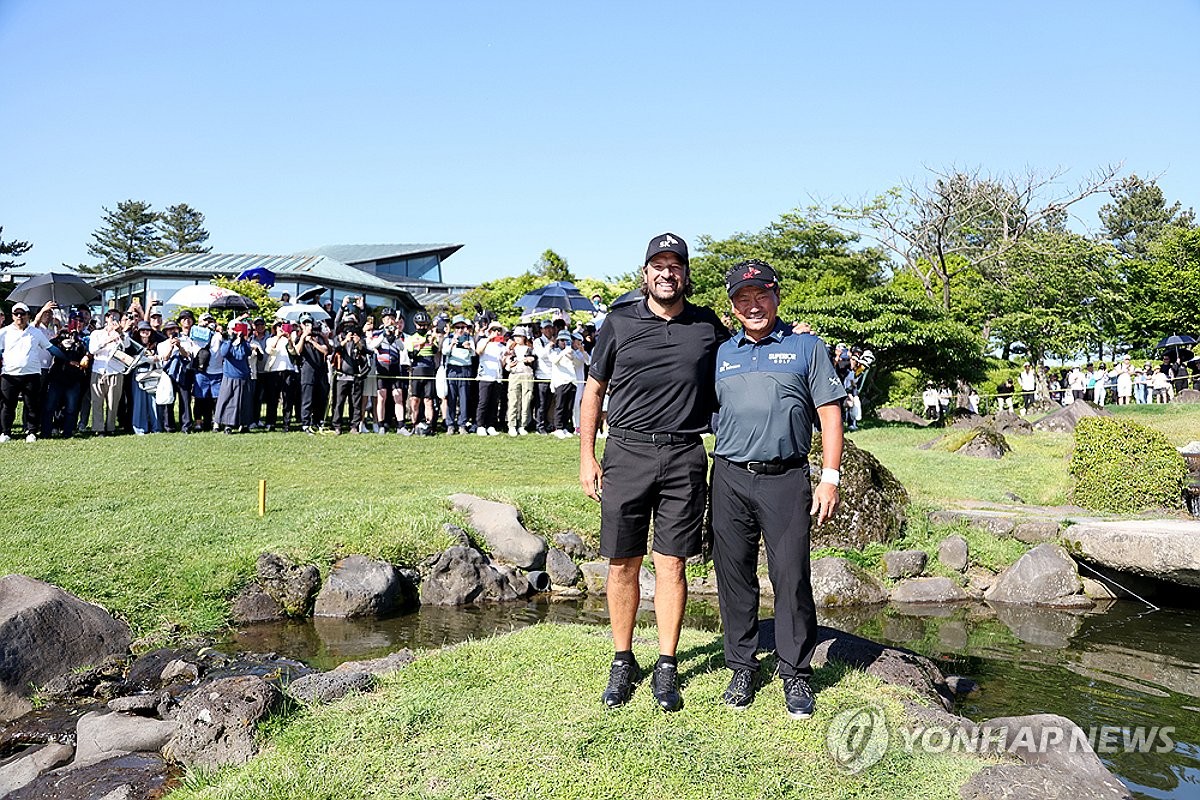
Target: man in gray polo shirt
[[772, 385]]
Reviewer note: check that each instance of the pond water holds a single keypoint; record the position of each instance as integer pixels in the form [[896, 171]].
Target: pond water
[[1125, 665]]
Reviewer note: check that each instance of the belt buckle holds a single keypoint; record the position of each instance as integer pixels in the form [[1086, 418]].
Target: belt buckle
[[755, 466]]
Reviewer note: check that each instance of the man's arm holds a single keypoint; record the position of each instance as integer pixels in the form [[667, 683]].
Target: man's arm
[[590, 477], [825, 496]]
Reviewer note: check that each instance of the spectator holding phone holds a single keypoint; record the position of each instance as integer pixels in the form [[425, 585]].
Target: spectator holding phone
[[23, 349], [313, 348], [490, 349], [519, 360], [458, 353]]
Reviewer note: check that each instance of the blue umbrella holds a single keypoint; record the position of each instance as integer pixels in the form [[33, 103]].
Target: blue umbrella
[[1175, 340], [260, 274], [559, 294]]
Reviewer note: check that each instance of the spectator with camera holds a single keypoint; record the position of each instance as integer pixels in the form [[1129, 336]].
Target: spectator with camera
[[66, 383], [392, 370], [458, 354], [567, 355], [175, 357], [424, 349], [543, 396], [106, 347], [490, 349], [210, 372], [236, 393], [280, 374], [519, 360], [351, 362], [313, 348], [145, 374]]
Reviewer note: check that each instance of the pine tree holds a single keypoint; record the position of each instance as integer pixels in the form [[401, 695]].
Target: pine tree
[[127, 239], [181, 229], [10, 251]]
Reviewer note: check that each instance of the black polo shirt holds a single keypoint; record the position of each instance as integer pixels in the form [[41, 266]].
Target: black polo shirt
[[659, 371]]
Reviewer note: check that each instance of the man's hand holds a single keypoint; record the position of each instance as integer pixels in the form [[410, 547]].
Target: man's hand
[[591, 477], [825, 502]]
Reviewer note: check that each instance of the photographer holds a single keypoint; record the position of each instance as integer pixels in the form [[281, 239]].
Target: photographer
[[108, 372], [544, 398], [210, 371], [490, 349], [233, 402], [314, 375], [391, 369], [424, 350], [351, 362], [66, 383], [519, 360], [458, 352], [175, 355], [145, 376], [279, 375]]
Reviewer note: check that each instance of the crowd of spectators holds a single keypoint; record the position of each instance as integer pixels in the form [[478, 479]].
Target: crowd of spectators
[[1123, 382], [138, 372]]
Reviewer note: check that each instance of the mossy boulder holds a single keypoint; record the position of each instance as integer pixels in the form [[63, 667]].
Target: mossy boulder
[[1122, 467], [872, 501]]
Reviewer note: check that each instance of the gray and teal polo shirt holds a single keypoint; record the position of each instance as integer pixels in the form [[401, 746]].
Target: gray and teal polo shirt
[[769, 392]]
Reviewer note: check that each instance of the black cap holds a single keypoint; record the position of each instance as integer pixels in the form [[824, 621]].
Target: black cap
[[751, 273], [667, 243], [186, 313]]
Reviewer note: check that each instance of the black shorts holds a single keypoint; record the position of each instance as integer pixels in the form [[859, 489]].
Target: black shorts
[[387, 383], [641, 481], [423, 386]]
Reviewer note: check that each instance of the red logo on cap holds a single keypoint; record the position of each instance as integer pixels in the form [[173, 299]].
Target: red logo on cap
[[750, 273]]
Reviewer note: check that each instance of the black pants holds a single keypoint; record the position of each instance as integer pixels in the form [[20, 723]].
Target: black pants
[[543, 399], [488, 409], [280, 388], [745, 505], [351, 392], [183, 391], [313, 399], [14, 388], [564, 408]]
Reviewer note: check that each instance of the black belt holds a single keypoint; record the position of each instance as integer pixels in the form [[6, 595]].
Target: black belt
[[768, 467], [653, 438]]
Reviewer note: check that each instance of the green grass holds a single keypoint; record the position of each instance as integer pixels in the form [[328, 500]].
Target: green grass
[[519, 716], [163, 530], [1035, 470]]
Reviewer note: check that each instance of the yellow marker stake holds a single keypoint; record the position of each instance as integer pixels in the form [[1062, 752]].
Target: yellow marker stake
[[262, 498]]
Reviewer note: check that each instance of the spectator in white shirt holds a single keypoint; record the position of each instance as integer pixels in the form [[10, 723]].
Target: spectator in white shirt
[[543, 397], [109, 362], [490, 349], [23, 350], [567, 355]]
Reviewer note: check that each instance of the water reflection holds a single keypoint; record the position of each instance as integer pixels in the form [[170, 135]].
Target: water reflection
[[1122, 666]]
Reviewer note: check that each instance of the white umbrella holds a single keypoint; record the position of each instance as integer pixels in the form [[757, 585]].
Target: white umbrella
[[199, 296], [293, 312]]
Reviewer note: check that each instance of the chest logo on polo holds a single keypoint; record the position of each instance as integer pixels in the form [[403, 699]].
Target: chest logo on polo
[[782, 358], [725, 365]]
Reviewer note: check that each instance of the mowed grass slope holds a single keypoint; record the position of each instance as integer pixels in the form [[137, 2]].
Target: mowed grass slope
[[518, 716], [164, 529]]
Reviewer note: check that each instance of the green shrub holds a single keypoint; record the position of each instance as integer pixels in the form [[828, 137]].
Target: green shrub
[[1123, 467]]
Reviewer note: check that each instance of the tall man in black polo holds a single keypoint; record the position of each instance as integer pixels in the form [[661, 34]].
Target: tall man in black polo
[[655, 358], [772, 385]]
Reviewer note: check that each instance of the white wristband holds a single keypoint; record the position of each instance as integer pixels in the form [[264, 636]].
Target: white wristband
[[831, 476]]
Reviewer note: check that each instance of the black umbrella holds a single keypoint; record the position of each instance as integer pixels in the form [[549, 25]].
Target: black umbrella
[[558, 294], [311, 295], [632, 296], [1175, 340], [233, 302], [64, 288]]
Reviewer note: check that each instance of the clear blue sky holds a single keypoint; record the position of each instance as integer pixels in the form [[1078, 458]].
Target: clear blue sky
[[587, 128]]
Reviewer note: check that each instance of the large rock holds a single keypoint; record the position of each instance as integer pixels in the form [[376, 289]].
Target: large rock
[[103, 735], [573, 545], [595, 576], [1186, 396], [1066, 418], [893, 665], [872, 501], [24, 767], [1036, 531], [360, 587], [290, 585], [837, 582], [985, 442], [136, 776], [464, 575], [997, 523], [1046, 575], [928, 590], [1009, 423], [217, 722], [954, 552], [379, 666], [45, 632], [500, 526], [561, 568], [252, 605], [901, 415], [1167, 550], [1056, 762], [904, 563], [327, 687]]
